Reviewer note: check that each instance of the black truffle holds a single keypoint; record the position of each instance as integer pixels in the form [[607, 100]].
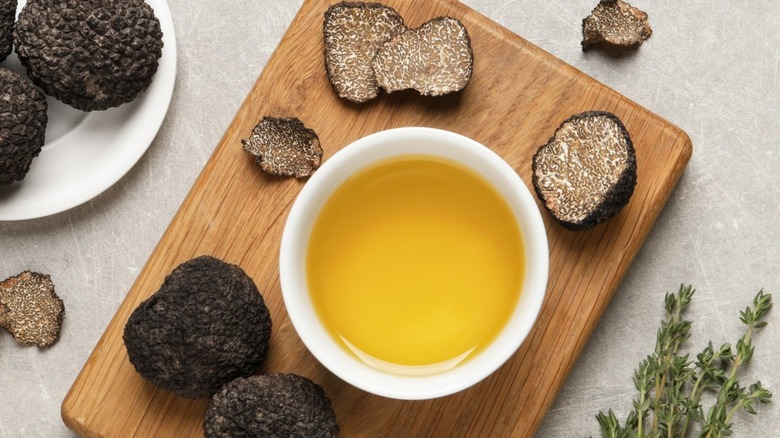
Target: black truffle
[[434, 59], [277, 405], [284, 147], [353, 33], [90, 54], [586, 172], [207, 325], [7, 17], [22, 125], [615, 23], [30, 309]]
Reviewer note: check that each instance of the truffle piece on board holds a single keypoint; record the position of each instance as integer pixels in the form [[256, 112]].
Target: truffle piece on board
[[353, 33], [615, 23], [90, 54], [205, 326], [285, 147], [276, 405], [7, 17], [22, 125], [30, 309], [586, 172], [434, 59]]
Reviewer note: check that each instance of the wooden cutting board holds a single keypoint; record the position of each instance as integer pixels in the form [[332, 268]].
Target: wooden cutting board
[[517, 97]]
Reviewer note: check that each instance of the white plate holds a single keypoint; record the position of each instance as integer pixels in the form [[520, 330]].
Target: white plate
[[86, 153]]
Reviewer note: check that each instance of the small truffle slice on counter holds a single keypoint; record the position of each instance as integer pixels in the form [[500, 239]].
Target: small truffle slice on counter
[[276, 405], [23, 120], [615, 23], [434, 59], [353, 33], [205, 326], [284, 147], [7, 18], [30, 309], [586, 172]]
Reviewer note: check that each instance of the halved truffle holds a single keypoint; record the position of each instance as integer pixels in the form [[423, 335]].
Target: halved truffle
[[586, 172], [207, 325], [434, 59], [353, 33], [615, 23], [22, 125], [7, 17], [30, 309], [90, 54], [284, 146], [277, 405]]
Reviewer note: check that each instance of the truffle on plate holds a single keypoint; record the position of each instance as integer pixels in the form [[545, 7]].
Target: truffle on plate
[[586, 172], [22, 125], [276, 405], [353, 33], [434, 59], [205, 326], [7, 17], [90, 54], [285, 147], [615, 23], [30, 309]]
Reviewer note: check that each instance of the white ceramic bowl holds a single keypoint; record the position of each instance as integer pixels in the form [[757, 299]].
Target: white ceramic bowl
[[352, 159]]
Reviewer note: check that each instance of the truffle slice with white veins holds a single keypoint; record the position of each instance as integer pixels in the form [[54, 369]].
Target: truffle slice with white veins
[[284, 146], [615, 23], [586, 172], [434, 59], [353, 33], [30, 309]]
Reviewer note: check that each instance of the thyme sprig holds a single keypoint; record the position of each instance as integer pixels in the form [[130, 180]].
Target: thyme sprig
[[671, 386]]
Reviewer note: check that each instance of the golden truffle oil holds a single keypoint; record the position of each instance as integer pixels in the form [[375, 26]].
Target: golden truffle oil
[[415, 264]]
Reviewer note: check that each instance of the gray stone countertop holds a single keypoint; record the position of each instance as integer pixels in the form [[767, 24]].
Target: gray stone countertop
[[710, 67]]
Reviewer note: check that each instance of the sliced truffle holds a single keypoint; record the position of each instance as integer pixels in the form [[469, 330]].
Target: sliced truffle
[[615, 23], [22, 125], [586, 172], [353, 33], [7, 17], [434, 59], [30, 309], [207, 325], [90, 54], [277, 405], [284, 147]]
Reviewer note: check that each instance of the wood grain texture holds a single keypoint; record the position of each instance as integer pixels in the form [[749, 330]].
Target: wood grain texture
[[517, 97]]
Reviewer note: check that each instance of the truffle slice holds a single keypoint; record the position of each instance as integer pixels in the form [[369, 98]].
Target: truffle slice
[[284, 147], [434, 59], [7, 17], [353, 32], [207, 325], [30, 309], [276, 405], [22, 125], [586, 172], [90, 54], [616, 23]]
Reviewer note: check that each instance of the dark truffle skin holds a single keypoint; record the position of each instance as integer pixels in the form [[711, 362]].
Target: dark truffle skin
[[207, 325], [597, 139], [22, 125], [90, 54], [277, 405], [7, 17]]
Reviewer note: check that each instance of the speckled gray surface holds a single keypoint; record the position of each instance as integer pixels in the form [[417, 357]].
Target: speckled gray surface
[[710, 67]]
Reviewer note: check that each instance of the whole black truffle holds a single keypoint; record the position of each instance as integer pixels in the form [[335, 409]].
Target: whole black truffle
[[22, 125], [90, 54], [277, 405], [7, 16], [207, 325]]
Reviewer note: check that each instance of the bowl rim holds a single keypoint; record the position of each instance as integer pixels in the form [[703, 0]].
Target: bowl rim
[[368, 150]]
